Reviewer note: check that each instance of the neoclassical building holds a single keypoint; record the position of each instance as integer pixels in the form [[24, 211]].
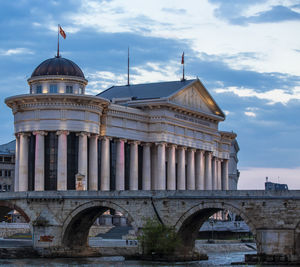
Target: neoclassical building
[[155, 136]]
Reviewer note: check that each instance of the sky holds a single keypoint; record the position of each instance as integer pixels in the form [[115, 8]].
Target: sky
[[246, 53]]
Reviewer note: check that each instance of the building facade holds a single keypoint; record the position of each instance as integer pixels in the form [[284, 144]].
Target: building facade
[[7, 166], [156, 136]]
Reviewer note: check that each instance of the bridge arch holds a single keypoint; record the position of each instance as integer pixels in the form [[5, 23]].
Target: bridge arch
[[7, 206], [191, 221], [78, 223]]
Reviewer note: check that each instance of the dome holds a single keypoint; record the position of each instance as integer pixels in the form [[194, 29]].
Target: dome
[[57, 66]]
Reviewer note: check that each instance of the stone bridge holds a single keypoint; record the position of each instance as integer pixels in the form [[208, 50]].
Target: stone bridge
[[60, 220]]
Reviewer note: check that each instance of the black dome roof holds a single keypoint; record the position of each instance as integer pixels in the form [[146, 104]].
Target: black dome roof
[[57, 66]]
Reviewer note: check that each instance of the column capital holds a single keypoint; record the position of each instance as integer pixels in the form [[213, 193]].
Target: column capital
[[120, 139], [182, 147], [93, 135], [105, 137], [39, 133], [134, 142], [83, 134], [171, 145], [201, 151], [64, 132], [192, 149], [160, 143], [209, 153], [146, 144], [24, 134]]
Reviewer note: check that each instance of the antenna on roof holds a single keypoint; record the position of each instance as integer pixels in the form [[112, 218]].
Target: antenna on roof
[[128, 69], [182, 63]]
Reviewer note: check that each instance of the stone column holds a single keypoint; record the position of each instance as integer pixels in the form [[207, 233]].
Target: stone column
[[181, 169], [171, 172], [191, 183], [133, 177], [93, 162], [225, 185], [199, 170], [214, 173], [17, 157], [120, 164], [219, 175], [146, 166], [82, 157], [161, 166], [23, 162], [208, 171], [153, 166], [39, 171], [105, 165], [62, 160]]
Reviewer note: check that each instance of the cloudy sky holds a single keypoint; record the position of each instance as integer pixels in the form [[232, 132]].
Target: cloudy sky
[[247, 54]]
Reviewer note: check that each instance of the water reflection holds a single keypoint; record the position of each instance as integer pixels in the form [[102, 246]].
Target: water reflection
[[215, 259]]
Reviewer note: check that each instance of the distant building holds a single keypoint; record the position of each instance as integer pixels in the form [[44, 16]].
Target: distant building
[[7, 166], [233, 171], [269, 186]]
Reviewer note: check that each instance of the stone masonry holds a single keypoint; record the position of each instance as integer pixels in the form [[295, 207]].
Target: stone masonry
[[61, 220]]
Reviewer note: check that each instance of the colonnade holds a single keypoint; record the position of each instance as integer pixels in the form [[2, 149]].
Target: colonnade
[[164, 167]]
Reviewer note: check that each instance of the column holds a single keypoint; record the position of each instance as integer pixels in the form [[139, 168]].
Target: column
[[208, 172], [93, 162], [39, 172], [120, 164], [146, 166], [105, 165], [133, 177], [199, 170], [161, 166], [214, 173], [62, 160], [82, 157], [153, 166], [191, 183], [181, 169], [17, 156], [225, 185], [171, 172], [23, 162], [219, 175]]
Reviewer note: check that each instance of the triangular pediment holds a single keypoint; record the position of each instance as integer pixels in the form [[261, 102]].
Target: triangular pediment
[[196, 97]]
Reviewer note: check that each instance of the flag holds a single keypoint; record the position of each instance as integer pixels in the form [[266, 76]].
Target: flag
[[182, 58], [62, 33]]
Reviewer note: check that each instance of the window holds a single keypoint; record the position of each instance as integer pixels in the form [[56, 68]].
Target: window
[[0, 173], [81, 90], [38, 89], [8, 187], [7, 159], [69, 89], [53, 88]]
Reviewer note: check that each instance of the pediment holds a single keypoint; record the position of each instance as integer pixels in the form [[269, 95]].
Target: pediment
[[196, 97]]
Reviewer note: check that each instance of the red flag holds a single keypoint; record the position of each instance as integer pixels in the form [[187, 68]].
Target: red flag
[[62, 33], [182, 58]]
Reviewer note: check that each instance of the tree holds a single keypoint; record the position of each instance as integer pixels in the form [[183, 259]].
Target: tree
[[158, 239]]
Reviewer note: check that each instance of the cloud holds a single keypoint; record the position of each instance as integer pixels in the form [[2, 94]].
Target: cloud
[[272, 96], [174, 10], [250, 114], [255, 11], [15, 51]]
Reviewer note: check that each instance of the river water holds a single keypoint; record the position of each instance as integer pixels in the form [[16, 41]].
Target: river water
[[215, 259]]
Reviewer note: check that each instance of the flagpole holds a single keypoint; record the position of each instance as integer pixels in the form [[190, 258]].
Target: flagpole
[[128, 69], [183, 72], [57, 40]]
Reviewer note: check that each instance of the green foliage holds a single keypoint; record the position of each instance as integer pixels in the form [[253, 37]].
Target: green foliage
[[158, 239]]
